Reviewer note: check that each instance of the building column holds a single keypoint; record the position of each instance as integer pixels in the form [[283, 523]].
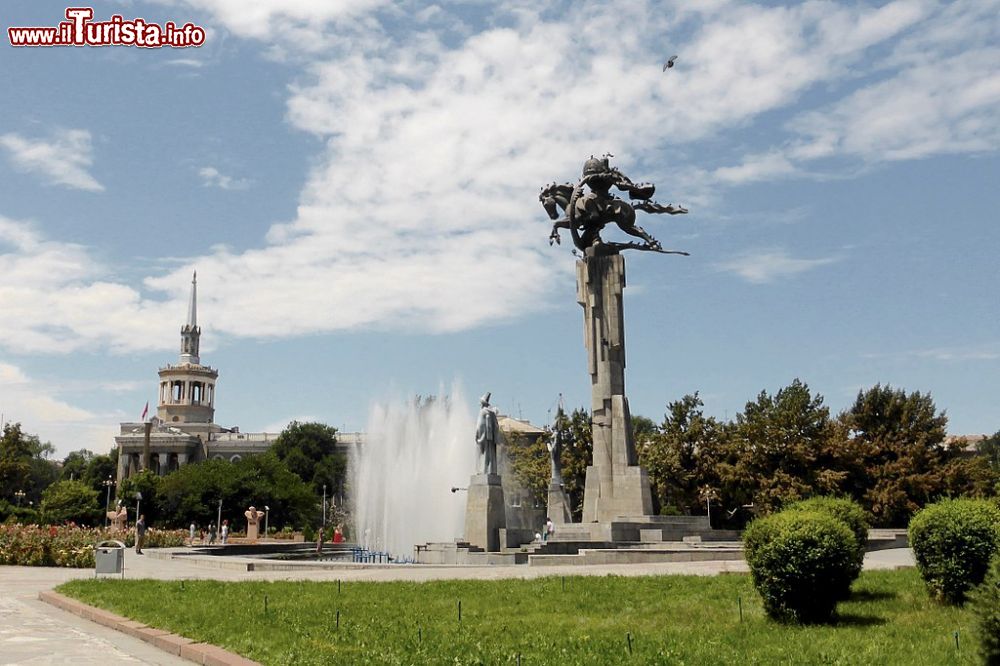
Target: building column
[[182, 459]]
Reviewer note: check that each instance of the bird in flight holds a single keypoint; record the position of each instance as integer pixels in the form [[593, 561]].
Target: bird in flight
[[669, 63]]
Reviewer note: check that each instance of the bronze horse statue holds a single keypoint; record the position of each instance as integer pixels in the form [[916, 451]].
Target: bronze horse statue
[[586, 214]]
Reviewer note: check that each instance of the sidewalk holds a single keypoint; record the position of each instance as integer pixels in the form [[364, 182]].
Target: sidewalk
[[32, 632]]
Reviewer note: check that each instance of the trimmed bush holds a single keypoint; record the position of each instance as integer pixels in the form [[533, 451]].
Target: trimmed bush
[[801, 562], [986, 608], [953, 541], [851, 514]]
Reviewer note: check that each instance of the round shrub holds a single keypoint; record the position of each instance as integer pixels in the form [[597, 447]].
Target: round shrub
[[953, 541], [801, 563], [986, 609], [851, 514]]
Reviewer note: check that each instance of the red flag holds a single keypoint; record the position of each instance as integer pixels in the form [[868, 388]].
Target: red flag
[[145, 411]]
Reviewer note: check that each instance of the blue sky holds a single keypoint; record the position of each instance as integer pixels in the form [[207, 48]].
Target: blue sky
[[356, 184]]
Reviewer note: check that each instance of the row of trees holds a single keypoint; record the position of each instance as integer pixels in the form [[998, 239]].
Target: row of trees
[[289, 478], [888, 452]]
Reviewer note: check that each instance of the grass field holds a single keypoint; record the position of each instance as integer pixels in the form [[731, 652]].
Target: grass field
[[572, 620]]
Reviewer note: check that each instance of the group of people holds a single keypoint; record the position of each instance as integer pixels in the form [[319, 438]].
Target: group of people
[[223, 533]]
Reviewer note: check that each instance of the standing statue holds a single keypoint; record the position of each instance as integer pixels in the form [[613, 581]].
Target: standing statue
[[587, 213], [118, 517], [253, 521], [554, 446], [487, 433]]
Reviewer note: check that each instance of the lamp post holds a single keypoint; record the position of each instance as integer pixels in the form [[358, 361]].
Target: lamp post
[[108, 483], [138, 499], [218, 525], [20, 496], [324, 505], [267, 509]]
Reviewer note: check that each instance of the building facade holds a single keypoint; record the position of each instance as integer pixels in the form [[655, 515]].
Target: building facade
[[183, 430]]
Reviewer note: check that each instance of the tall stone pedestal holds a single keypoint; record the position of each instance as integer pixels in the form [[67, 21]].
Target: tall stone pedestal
[[558, 505], [485, 513], [615, 484]]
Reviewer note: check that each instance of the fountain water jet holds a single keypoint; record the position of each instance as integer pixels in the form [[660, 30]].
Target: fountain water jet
[[401, 478]]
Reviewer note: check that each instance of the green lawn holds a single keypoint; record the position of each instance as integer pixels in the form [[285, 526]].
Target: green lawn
[[671, 619]]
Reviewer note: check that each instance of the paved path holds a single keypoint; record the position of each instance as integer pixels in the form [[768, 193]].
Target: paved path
[[32, 632]]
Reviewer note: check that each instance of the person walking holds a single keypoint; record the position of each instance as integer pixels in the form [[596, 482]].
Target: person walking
[[211, 534], [193, 527], [225, 531], [140, 533]]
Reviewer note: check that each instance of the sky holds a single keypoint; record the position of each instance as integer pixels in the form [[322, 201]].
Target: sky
[[356, 184]]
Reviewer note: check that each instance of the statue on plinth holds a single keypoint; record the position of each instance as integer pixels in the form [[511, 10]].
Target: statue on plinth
[[558, 502], [253, 521], [487, 433], [485, 512], [587, 213], [554, 446], [615, 485], [118, 517]]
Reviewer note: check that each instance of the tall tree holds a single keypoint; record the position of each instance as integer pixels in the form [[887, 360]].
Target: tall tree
[[24, 464], [900, 436], [309, 450], [681, 456], [784, 448]]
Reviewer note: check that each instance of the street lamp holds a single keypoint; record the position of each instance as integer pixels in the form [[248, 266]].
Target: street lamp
[[20, 496], [107, 502], [324, 505], [138, 499], [218, 525], [266, 510]]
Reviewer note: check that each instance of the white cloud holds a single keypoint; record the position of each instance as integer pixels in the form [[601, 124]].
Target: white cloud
[[764, 266], [936, 93], [212, 177], [41, 411], [186, 62], [63, 159], [57, 299], [420, 212], [767, 166]]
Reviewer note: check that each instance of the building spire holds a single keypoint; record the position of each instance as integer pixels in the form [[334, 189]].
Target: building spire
[[193, 306], [190, 333]]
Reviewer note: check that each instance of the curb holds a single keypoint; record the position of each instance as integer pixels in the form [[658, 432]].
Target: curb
[[185, 648]]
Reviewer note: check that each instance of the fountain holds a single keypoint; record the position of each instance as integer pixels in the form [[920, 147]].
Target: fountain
[[401, 480]]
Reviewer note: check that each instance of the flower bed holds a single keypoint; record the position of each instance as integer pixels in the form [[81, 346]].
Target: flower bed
[[68, 545]]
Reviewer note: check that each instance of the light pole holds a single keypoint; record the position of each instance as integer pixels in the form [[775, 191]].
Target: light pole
[[108, 483], [138, 499], [267, 509], [20, 496], [218, 525], [324, 505]]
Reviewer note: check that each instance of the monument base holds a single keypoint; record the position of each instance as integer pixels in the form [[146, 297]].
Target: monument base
[[632, 495], [485, 513], [558, 505]]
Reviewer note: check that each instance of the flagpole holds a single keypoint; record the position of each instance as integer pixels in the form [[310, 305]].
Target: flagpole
[[147, 429]]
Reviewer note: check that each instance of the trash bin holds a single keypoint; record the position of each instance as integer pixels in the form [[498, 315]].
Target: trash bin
[[109, 559]]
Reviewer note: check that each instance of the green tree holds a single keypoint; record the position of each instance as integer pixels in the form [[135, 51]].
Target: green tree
[[990, 449], [148, 484], [309, 450], [900, 438], [681, 456], [785, 449], [192, 493], [70, 501], [24, 465], [74, 466]]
